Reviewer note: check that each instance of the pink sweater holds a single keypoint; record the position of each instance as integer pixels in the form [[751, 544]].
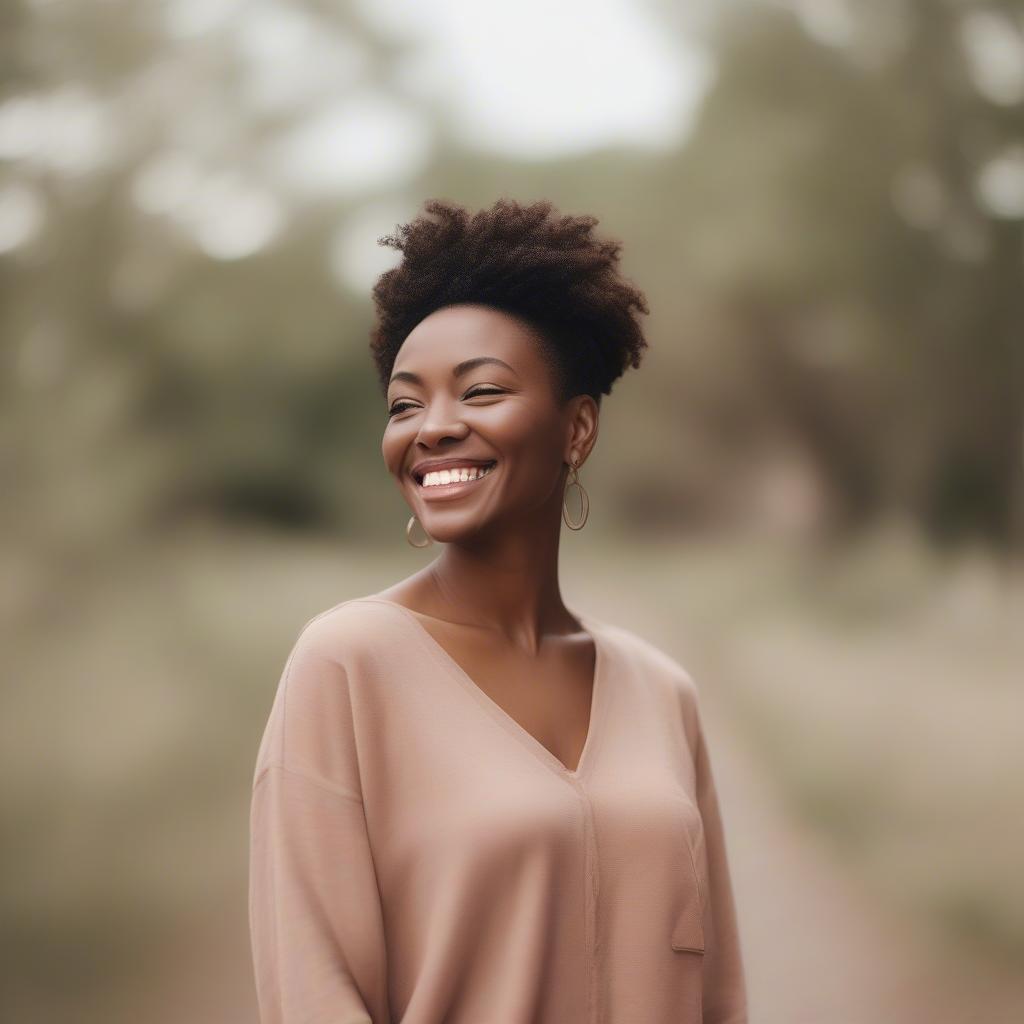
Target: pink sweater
[[417, 856]]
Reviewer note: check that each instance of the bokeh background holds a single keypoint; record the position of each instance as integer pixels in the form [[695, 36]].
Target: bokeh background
[[811, 493]]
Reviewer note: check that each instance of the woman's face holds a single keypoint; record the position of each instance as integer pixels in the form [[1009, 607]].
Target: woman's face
[[470, 387]]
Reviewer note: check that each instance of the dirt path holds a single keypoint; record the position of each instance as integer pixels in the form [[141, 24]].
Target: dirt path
[[819, 948]]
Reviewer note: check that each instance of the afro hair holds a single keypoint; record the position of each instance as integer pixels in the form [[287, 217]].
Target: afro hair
[[526, 260]]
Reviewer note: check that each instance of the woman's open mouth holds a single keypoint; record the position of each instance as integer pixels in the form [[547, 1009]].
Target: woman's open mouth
[[454, 482]]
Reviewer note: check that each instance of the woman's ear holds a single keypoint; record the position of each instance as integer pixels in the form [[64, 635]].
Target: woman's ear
[[584, 427]]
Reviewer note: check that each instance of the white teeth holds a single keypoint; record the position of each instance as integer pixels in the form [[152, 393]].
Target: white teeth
[[458, 474]]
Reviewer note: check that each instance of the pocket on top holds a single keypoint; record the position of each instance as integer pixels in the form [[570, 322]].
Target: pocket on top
[[688, 932], [688, 928]]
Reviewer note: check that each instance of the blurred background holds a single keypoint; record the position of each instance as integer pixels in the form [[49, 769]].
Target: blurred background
[[811, 493]]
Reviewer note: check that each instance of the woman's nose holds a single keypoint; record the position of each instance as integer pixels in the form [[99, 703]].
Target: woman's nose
[[442, 420]]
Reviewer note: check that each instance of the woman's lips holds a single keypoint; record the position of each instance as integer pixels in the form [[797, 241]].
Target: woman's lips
[[456, 489]]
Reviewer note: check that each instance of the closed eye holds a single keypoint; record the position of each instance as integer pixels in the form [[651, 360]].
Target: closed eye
[[402, 406]]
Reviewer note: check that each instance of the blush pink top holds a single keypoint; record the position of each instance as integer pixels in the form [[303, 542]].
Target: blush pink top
[[417, 856]]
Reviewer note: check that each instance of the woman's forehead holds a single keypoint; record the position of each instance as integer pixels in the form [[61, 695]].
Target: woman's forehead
[[454, 334]]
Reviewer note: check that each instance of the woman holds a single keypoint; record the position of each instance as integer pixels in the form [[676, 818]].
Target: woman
[[473, 805]]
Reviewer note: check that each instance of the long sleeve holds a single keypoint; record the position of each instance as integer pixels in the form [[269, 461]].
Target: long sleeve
[[314, 907], [725, 996]]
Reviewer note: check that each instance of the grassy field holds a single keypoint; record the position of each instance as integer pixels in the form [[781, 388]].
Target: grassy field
[[883, 690]]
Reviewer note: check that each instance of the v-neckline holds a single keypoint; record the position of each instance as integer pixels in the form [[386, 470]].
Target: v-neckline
[[499, 714]]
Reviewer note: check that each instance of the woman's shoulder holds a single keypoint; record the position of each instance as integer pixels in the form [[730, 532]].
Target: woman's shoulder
[[653, 660], [353, 625]]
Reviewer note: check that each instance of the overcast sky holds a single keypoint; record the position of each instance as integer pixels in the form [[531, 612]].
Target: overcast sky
[[541, 78]]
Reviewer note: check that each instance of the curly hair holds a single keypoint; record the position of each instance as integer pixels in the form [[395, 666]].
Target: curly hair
[[526, 260]]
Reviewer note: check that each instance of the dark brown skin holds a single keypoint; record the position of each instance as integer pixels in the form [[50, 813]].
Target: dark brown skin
[[491, 598]]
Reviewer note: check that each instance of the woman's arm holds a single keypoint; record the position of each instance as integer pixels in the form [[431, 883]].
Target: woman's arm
[[725, 996], [315, 916]]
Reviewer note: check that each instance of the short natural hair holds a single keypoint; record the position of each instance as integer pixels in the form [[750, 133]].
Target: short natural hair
[[526, 260]]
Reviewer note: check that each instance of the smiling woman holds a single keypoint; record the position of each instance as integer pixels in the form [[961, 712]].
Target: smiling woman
[[478, 443], [506, 327], [472, 803]]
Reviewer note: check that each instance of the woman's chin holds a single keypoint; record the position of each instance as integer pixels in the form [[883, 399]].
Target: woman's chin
[[451, 525]]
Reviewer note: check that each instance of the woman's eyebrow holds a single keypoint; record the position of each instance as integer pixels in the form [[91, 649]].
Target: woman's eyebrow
[[457, 371]]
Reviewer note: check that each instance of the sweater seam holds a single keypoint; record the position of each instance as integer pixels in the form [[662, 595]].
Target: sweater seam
[[314, 780]]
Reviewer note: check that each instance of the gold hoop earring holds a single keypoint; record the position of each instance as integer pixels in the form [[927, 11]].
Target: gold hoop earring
[[408, 534], [584, 497]]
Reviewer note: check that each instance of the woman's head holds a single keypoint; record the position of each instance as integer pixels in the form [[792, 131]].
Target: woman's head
[[496, 337]]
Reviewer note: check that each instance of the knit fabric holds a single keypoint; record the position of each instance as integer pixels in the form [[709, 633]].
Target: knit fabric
[[418, 857]]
